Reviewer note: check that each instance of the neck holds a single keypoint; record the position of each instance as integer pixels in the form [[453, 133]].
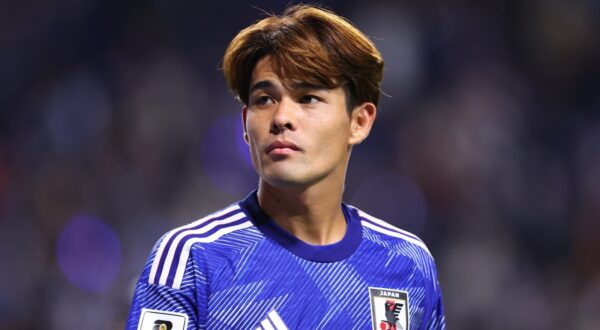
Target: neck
[[312, 214]]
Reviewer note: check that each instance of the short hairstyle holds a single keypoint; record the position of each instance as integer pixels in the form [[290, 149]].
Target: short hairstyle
[[309, 45]]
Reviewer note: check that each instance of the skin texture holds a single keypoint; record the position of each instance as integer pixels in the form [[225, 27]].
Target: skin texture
[[301, 181]]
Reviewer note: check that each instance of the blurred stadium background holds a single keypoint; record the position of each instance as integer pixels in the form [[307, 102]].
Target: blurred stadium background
[[116, 125]]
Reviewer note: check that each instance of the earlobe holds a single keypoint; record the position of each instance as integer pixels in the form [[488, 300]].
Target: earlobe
[[363, 117], [244, 116]]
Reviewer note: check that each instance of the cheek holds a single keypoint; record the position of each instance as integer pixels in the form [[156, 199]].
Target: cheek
[[335, 129], [254, 139], [331, 141], [252, 142], [251, 128], [255, 124]]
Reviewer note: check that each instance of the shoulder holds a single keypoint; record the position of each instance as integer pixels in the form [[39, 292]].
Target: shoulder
[[399, 242], [215, 234], [393, 238]]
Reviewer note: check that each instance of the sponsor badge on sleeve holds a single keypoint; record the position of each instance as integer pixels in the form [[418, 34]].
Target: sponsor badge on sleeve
[[161, 320]]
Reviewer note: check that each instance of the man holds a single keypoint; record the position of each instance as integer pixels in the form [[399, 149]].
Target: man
[[291, 255]]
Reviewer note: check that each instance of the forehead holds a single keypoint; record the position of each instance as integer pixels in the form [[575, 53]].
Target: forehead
[[268, 73], [265, 69]]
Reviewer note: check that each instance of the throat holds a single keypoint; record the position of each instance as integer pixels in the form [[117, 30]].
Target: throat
[[316, 220], [315, 231]]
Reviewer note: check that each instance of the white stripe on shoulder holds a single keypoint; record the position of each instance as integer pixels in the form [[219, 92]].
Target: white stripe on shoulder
[[163, 245], [185, 253], [410, 239], [385, 224], [383, 227], [176, 242]]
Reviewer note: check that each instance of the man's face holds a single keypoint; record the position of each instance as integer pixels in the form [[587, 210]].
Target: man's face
[[297, 136]]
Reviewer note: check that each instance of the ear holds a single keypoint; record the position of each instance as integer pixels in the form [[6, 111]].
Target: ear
[[244, 116], [361, 121]]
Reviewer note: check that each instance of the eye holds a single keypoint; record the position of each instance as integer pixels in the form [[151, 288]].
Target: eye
[[309, 99], [263, 100]]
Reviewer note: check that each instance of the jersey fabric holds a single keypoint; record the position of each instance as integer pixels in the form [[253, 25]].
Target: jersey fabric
[[238, 269]]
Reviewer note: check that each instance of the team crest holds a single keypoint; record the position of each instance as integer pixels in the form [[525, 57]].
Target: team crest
[[389, 309]]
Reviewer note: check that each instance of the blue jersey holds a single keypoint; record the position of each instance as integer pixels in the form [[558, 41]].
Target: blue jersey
[[238, 269]]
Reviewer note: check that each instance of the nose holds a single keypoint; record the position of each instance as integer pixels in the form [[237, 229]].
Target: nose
[[283, 118]]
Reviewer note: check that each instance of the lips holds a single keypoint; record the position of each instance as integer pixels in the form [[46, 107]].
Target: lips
[[281, 146]]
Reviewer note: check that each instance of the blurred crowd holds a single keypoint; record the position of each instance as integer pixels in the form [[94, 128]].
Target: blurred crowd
[[116, 125]]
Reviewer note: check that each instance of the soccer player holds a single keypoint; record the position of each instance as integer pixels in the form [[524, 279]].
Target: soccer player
[[292, 255]]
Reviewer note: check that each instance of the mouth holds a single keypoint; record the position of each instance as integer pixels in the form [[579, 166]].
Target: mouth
[[281, 148]]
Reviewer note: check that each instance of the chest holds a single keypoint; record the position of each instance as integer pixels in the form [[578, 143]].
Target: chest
[[273, 289]]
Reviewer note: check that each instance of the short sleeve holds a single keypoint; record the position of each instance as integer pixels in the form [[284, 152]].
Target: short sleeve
[[152, 304], [437, 320]]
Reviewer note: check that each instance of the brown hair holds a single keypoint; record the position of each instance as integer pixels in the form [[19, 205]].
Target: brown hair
[[311, 45]]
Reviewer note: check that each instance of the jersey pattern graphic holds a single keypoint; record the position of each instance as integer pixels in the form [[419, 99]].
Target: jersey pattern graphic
[[236, 269]]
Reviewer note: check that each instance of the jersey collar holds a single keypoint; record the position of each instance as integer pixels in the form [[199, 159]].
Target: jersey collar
[[320, 253]]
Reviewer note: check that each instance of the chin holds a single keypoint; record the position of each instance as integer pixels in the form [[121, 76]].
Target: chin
[[284, 178], [293, 179], [283, 181]]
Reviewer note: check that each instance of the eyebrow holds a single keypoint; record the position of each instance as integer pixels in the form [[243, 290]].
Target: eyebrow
[[263, 84], [267, 84]]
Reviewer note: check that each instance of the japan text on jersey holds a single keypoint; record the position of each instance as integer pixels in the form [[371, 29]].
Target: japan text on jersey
[[237, 269]]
